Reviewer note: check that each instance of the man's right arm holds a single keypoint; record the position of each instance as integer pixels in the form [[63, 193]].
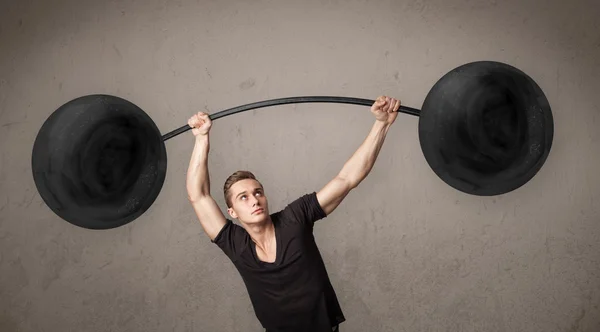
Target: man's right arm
[[198, 189]]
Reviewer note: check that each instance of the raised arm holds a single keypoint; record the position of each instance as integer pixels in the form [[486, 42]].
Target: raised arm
[[198, 181], [360, 164]]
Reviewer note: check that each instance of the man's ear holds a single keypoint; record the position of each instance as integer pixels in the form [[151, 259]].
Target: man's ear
[[232, 213]]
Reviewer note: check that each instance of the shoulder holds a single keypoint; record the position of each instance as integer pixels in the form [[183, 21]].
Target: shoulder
[[229, 229], [232, 239], [304, 208]]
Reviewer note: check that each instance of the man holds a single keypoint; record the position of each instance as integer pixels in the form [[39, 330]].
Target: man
[[276, 254]]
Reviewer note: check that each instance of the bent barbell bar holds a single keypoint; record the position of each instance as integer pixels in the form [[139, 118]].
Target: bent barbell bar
[[289, 100]]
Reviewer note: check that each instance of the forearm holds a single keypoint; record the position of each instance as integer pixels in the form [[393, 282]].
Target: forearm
[[198, 181], [362, 161]]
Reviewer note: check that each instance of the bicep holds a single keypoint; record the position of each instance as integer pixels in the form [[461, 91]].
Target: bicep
[[333, 193], [210, 216]]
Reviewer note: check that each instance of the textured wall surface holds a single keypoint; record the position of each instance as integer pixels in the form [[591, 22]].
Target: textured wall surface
[[405, 252]]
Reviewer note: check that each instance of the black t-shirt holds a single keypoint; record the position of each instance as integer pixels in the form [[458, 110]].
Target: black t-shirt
[[293, 293]]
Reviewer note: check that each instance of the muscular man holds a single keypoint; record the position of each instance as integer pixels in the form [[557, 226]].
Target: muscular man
[[275, 253]]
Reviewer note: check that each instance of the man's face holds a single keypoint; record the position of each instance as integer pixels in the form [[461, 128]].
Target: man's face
[[248, 196]]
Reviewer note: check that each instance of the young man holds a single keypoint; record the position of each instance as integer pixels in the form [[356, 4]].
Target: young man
[[276, 254]]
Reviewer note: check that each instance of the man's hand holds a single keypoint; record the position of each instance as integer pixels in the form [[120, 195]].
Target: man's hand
[[201, 124], [385, 109]]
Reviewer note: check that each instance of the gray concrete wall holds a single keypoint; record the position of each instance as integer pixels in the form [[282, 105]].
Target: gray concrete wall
[[405, 252]]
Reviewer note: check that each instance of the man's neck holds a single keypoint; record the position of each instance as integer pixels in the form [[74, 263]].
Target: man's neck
[[262, 234]]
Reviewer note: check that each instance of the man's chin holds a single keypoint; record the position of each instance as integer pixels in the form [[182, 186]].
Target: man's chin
[[258, 218]]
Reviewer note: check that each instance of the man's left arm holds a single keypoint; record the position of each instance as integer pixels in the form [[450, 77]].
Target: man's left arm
[[360, 164]]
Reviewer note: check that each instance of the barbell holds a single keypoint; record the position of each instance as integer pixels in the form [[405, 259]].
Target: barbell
[[99, 161]]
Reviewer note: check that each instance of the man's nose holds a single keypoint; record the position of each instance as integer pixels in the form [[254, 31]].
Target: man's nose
[[254, 200]]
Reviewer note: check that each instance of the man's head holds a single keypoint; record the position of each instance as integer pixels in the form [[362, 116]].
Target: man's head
[[243, 195]]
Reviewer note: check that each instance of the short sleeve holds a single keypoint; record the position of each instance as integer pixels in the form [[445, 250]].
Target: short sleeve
[[304, 210], [232, 239]]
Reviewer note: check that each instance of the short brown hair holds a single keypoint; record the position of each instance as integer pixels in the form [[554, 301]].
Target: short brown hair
[[233, 178]]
